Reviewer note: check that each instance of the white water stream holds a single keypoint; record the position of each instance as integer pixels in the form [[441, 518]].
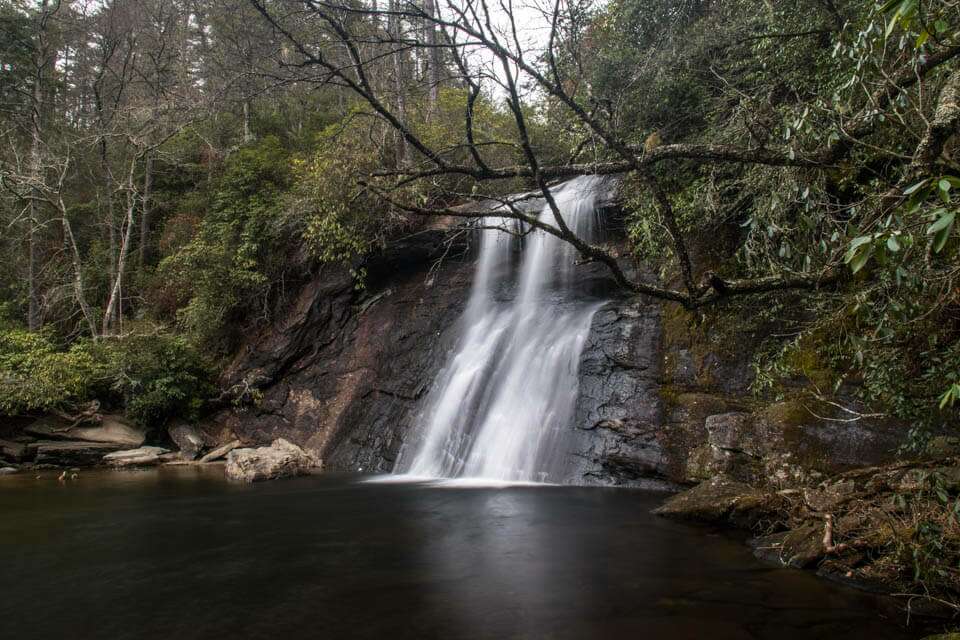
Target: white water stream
[[502, 406]]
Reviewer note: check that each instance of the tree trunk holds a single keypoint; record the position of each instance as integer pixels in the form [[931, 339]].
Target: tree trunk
[[111, 215], [33, 306], [247, 133], [113, 316], [33, 241], [78, 286], [142, 253], [433, 73], [393, 26], [36, 142]]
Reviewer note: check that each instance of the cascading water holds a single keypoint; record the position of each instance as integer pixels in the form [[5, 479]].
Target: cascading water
[[502, 408]]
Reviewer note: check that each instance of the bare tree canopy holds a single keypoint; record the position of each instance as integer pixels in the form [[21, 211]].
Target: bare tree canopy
[[487, 49]]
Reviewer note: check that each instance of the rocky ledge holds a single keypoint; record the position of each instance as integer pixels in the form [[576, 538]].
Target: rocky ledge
[[886, 528], [105, 441]]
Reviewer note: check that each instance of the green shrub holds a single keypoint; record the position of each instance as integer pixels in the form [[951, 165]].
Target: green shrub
[[158, 377], [239, 250], [153, 377], [36, 376]]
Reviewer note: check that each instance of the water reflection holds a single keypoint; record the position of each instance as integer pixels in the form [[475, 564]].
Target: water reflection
[[171, 554]]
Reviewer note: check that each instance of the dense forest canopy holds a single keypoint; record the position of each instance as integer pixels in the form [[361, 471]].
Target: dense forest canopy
[[172, 171]]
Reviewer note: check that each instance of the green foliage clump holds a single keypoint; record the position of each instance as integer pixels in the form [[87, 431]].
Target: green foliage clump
[[157, 377], [341, 220], [154, 377], [238, 255], [36, 376], [786, 76]]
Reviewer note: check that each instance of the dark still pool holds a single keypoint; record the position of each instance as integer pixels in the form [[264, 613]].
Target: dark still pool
[[180, 553]]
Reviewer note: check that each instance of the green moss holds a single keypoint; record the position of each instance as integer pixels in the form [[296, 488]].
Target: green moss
[[804, 358], [787, 414], [676, 326], [669, 393]]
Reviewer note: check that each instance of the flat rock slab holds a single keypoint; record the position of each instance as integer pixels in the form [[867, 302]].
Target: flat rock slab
[[70, 454], [141, 457], [112, 429], [720, 501], [220, 452]]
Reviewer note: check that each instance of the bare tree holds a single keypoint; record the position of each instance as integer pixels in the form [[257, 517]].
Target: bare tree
[[487, 43], [43, 183], [44, 57]]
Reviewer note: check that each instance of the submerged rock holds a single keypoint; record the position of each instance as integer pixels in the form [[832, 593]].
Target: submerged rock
[[111, 429], [142, 457], [281, 459]]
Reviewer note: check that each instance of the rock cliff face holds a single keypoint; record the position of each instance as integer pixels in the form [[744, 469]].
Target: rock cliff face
[[341, 374], [344, 371]]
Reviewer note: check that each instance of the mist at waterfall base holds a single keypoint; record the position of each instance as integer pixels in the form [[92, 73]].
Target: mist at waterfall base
[[502, 408], [177, 553]]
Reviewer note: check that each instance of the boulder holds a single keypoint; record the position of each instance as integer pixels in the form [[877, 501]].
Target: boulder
[[12, 451], [280, 459], [5, 471], [72, 454], [141, 457], [111, 429], [187, 438]]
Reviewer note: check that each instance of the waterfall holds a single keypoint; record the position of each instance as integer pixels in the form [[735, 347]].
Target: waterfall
[[502, 408]]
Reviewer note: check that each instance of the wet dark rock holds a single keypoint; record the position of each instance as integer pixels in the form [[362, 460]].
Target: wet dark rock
[[800, 548], [13, 451], [188, 439], [827, 497], [721, 501], [342, 373], [618, 406], [733, 432], [820, 441], [281, 459], [70, 454]]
